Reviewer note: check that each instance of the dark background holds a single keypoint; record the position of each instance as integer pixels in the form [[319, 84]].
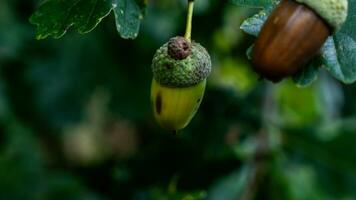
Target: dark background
[[76, 122]]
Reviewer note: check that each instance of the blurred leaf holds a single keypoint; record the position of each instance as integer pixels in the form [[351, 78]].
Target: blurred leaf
[[339, 52], [23, 173], [339, 56], [336, 170], [159, 194], [13, 32], [232, 186], [128, 18], [4, 107], [331, 98], [246, 149], [295, 180], [55, 17], [308, 74], [249, 52], [333, 129], [302, 183], [235, 74], [253, 25], [229, 35], [253, 3], [297, 106], [65, 186]]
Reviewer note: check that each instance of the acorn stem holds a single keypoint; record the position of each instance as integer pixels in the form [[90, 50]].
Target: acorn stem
[[188, 30]]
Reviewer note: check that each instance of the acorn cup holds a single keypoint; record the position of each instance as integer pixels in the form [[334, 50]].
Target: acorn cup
[[293, 34], [180, 69]]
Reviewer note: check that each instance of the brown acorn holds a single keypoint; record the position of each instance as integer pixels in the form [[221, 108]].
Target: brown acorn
[[293, 35]]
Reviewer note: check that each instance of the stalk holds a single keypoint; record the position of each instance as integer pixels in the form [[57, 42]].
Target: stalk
[[188, 30]]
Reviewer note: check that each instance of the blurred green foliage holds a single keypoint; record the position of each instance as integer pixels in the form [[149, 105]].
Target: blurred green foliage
[[76, 122]]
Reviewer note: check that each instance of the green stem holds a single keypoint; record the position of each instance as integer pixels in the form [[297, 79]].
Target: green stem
[[188, 30]]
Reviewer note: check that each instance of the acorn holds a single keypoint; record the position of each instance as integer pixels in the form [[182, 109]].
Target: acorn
[[180, 69], [293, 34]]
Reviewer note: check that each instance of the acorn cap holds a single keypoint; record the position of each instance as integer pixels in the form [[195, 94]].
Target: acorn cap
[[334, 12], [174, 65]]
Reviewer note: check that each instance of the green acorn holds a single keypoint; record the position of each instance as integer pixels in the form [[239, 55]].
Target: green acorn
[[180, 69]]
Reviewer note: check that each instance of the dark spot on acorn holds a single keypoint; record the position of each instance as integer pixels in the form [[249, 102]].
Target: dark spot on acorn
[[179, 48], [158, 103], [198, 103], [289, 39]]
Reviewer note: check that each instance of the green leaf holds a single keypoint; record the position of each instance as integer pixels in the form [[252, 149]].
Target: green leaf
[[339, 55], [249, 52], [253, 25], [349, 26], [233, 185], [55, 17], [128, 17], [253, 3], [308, 74]]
